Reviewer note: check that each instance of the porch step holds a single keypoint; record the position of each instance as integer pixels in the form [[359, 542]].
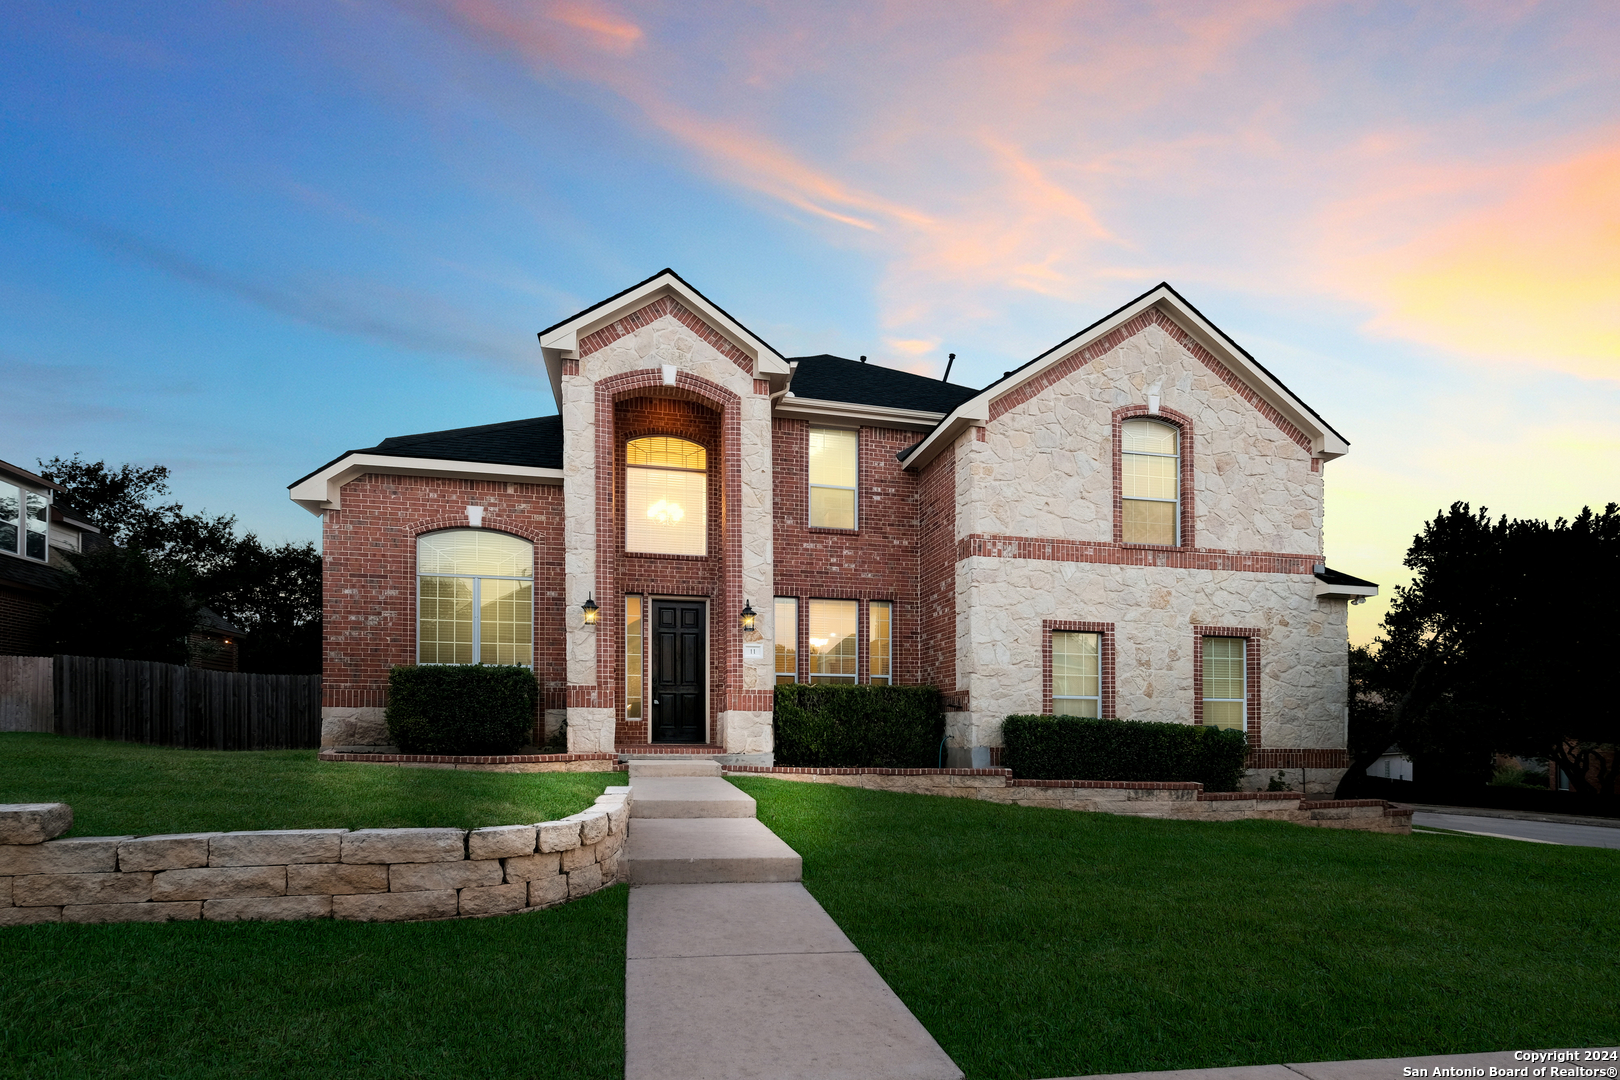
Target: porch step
[[702, 851], [679, 766], [663, 751], [686, 797]]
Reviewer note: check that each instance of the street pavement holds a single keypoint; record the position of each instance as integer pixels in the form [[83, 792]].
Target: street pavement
[[1545, 832]]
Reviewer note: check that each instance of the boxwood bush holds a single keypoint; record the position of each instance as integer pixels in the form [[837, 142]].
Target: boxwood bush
[[883, 727], [461, 708], [1077, 748]]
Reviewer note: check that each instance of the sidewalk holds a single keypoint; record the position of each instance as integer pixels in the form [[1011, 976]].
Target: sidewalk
[[1447, 1065], [732, 969]]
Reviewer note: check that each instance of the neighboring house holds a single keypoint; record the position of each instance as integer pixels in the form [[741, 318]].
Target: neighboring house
[[35, 534], [1392, 764], [215, 643], [1129, 525]]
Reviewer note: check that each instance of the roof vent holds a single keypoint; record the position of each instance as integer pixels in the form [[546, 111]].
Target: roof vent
[[948, 363], [863, 358]]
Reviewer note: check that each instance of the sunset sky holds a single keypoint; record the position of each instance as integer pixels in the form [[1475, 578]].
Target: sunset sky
[[238, 239]]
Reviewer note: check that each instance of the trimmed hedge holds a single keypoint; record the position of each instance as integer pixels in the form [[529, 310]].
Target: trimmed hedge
[[461, 708], [875, 727], [1077, 748]]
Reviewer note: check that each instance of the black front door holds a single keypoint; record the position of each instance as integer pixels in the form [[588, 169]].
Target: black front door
[[678, 671]]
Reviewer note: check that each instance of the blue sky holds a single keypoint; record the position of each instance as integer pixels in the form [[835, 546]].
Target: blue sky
[[240, 239]]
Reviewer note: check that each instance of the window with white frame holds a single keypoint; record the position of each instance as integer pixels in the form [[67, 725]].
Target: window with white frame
[[25, 517], [880, 641], [666, 497], [475, 598], [833, 472], [1150, 482], [1226, 690], [834, 648], [787, 640], [1076, 674]]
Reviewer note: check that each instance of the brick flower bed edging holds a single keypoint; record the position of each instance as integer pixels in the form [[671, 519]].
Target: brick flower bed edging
[[1139, 798], [368, 875], [518, 763]]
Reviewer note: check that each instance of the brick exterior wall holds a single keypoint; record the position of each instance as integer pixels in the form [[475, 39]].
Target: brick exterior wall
[[22, 623], [936, 578], [369, 580], [875, 561]]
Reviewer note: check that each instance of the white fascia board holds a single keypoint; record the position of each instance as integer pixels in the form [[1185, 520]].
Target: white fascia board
[[1324, 591], [565, 338], [834, 412], [1325, 445], [944, 435], [323, 491]]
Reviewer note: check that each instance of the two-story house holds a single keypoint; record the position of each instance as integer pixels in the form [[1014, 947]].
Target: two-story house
[[1128, 525]]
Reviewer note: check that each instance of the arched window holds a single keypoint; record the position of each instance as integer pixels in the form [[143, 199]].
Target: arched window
[[1150, 487], [475, 598], [666, 496]]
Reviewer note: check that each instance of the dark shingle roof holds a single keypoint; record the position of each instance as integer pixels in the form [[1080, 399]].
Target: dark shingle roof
[[535, 442], [1330, 576], [833, 378], [30, 574]]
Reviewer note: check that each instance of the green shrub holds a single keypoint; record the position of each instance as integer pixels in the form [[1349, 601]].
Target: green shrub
[[1076, 748], [460, 709], [880, 727]]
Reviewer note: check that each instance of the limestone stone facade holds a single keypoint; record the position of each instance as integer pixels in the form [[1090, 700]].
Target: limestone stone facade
[[984, 522]]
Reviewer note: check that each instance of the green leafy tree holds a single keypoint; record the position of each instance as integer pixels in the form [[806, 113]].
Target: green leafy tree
[[272, 593], [119, 604], [1501, 644]]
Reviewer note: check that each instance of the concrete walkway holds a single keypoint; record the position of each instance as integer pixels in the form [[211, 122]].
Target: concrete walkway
[[733, 970], [1395, 1068]]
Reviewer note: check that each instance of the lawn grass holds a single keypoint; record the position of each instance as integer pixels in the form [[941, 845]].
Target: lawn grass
[[1045, 943], [123, 788], [537, 995]]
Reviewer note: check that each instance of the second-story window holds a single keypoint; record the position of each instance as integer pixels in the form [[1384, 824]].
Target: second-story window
[[1150, 479], [833, 470], [666, 501], [24, 521]]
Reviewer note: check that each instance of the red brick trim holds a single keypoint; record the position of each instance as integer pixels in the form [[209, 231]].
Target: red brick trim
[[762, 387], [1105, 661], [793, 770], [1118, 336], [726, 463], [1334, 804], [491, 524], [1280, 758], [570, 367], [650, 313], [1113, 785], [988, 545], [1184, 485], [348, 697], [1251, 675], [1248, 796], [466, 759], [640, 749]]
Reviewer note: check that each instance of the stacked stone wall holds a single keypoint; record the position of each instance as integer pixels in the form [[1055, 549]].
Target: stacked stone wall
[[368, 875]]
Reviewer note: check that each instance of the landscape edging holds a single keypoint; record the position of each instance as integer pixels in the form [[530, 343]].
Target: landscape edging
[[364, 875], [1137, 798]]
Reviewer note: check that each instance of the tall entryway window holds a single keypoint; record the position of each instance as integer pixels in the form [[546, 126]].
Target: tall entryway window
[[474, 598], [679, 671], [834, 648], [666, 498], [1150, 484]]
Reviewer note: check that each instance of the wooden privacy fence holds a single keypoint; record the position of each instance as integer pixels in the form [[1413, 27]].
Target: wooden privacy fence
[[25, 694], [167, 705]]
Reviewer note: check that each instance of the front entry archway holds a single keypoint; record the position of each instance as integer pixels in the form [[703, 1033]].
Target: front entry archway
[[679, 671]]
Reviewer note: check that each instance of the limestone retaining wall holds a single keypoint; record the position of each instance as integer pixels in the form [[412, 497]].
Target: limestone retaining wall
[[368, 875], [510, 763], [1185, 801]]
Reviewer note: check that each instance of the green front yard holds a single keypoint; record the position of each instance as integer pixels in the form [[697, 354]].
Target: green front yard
[[1032, 943], [118, 788]]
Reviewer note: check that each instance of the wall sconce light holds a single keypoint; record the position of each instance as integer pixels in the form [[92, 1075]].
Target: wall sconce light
[[748, 615], [590, 610]]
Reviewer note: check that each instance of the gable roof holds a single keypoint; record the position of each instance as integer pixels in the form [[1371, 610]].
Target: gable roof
[[560, 341], [525, 451], [834, 378], [1326, 443]]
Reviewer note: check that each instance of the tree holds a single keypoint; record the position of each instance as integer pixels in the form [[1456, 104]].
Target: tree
[[1501, 644], [272, 593], [118, 604]]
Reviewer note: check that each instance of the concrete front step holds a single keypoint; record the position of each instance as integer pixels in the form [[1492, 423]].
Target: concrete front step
[[673, 766], [701, 851], [687, 797]]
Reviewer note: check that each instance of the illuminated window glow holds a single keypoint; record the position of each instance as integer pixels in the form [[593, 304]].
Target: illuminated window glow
[[666, 497], [1150, 468]]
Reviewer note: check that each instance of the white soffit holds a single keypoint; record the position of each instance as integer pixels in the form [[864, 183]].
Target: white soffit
[[833, 412], [323, 491], [1325, 443], [1324, 591]]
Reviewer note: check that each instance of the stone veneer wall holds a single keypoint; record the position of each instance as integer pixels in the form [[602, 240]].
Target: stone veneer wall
[[1183, 801], [369, 875]]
